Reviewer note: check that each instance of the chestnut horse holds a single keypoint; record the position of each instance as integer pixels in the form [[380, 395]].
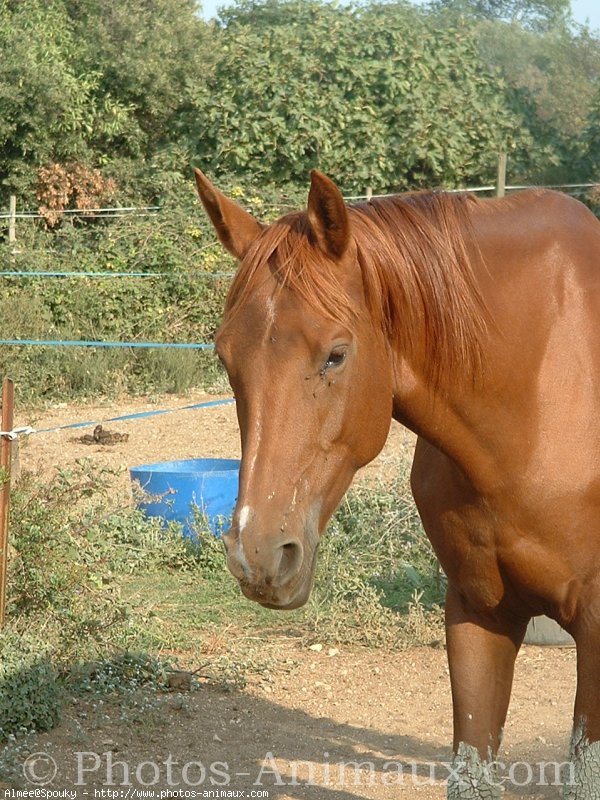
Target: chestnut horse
[[475, 323]]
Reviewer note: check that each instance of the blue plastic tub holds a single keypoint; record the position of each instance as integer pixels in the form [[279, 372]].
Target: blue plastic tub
[[173, 489]]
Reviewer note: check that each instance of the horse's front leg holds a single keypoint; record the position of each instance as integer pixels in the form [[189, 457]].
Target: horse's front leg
[[481, 655], [584, 781]]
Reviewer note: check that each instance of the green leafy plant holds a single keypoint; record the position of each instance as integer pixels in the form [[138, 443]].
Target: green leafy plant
[[378, 95], [30, 693]]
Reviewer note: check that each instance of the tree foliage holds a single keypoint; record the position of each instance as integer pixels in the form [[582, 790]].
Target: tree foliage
[[49, 109], [384, 94], [374, 95], [537, 15], [147, 52], [592, 153], [92, 82]]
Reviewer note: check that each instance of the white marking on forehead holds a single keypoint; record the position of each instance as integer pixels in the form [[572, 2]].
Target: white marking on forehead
[[243, 518]]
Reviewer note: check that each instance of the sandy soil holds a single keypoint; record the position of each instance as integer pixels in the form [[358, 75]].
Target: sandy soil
[[290, 733]]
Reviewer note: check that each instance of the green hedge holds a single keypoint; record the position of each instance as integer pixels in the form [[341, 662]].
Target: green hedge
[[183, 306]]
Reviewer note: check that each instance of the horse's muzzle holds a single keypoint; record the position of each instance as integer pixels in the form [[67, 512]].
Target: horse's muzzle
[[273, 571], [281, 600]]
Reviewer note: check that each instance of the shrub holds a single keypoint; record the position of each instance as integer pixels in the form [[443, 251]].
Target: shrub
[[180, 301], [62, 186], [55, 576], [64, 604], [30, 696]]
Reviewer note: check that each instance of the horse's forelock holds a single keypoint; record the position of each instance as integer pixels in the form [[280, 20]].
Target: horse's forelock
[[286, 251]]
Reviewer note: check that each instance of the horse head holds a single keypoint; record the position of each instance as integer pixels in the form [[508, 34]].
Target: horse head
[[312, 380]]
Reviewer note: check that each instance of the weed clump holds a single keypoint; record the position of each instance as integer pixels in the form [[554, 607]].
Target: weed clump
[[30, 695], [64, 601]]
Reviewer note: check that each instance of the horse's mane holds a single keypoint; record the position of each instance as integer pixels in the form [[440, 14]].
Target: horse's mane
[[416, 271]]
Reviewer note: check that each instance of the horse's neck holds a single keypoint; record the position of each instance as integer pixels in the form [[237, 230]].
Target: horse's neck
[[450, 418], [466, 414], [539, 279]]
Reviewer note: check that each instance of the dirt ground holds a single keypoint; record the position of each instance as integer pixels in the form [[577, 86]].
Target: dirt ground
[[301, 732]]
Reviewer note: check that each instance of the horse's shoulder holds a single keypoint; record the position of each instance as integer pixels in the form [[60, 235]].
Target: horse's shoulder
[[434, 475]]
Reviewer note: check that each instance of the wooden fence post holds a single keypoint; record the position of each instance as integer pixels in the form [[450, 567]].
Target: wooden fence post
[[501, 182], [5, 465], [12, 220], [369, 193]]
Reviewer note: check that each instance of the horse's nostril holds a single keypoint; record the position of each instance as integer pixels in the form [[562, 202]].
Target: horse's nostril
[[291, 559]]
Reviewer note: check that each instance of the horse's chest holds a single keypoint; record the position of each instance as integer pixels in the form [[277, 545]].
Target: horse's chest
[[497, 552], [464, 540]]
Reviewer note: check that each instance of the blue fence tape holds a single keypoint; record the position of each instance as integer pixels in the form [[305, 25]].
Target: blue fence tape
[[138, 415], [86, 343]]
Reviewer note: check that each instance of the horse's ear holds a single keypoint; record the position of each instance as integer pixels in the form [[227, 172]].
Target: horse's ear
[[328, 215], [235, 227]]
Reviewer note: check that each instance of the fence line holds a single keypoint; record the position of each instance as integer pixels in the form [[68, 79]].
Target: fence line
[[499, 188], [89, 343], [84, 212], [560, 186], [153, 210], [178, 276], [492, 188], [28, 431]]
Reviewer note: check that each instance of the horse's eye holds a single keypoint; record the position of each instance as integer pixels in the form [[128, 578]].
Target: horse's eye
[[336, 358]]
